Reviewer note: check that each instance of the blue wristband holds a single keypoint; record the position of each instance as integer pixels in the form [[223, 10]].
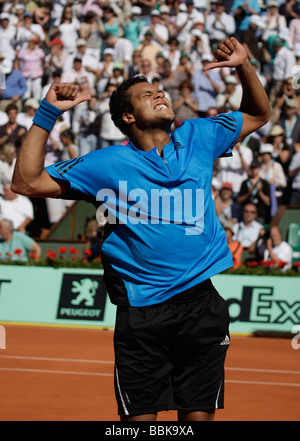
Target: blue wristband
[[46, 115]]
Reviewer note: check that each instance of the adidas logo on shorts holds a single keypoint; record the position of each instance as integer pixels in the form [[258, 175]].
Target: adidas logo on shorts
[[226, 341]]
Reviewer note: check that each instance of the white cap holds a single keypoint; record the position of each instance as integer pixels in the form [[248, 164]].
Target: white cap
[[230, 80], [266, 148], [4, 16], [136, 10]]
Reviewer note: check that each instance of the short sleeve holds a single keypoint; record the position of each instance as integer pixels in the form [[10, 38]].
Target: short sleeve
[[227, 129]]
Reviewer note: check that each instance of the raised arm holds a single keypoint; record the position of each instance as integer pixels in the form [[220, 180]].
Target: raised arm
[[30, 177], [255, 104]]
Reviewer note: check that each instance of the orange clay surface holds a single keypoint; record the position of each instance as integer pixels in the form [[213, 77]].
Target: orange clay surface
[[66, 374]]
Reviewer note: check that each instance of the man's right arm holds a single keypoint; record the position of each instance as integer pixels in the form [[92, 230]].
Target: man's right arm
[[30, 177]]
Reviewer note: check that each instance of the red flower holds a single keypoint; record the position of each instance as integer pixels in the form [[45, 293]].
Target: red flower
[[62, 250], [73, 250], [297, 263], [18, 251], [8, 255], [87, 253], [32, 256], [281, 264], [253, 263], [51, 254]]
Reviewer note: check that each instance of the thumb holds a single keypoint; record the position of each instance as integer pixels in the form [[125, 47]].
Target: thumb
[[213, 65]]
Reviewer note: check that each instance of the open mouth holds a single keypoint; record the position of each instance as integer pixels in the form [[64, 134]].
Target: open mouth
[[160, 106]]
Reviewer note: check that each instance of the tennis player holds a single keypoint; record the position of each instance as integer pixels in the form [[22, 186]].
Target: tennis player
[[163, 241]]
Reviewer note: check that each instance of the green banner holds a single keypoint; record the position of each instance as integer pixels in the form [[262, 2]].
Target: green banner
[[77, 297]]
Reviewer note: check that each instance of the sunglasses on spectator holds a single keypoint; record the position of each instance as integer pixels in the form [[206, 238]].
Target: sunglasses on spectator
[[250, 211]]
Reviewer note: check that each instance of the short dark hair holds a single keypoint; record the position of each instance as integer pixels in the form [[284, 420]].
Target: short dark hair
[[120, 102]]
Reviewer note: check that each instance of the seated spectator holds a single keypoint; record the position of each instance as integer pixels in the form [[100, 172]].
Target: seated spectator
[[234, 245], [67, 29], [56, 59], [247, 231], [259, 247], [8, 156], [185, 20], [256, 190], [26, 31], [16, 208], [273, 173], [133, 26], [148, 48], [286, 92], [278, 250], [186, 105], [90, 31], [77, 73], [12, 132], [234, 169], [15, 245], [122, 48], [94, 233], [226, 208], [89, 62], [89, 127], [159, 30]]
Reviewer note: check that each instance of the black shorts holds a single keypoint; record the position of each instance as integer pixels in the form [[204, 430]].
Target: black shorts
[[170, 356]]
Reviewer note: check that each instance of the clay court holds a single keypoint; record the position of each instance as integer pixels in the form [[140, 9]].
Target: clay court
[[66, 374]]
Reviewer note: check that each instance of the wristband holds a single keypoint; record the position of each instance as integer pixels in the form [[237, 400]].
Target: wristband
[[46, 115]]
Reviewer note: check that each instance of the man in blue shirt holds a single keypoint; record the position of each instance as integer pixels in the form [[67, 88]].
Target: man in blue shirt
[[162, 241]]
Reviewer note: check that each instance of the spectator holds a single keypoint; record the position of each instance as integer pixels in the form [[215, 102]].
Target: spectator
[[8, 156], [89, 124], [251, 38], [77, 73], [25, 118], [31, 60], [242, 11], [94, 233], [104, 70], [15, 88], [166, 20], [171, 52], [90, 32], [28, 30], [56, 59], [278, 250], [70, 149], [284, 62], [272, 21], [281, 150], [12, 132], [89, 62], [135, 67], [294, 37], [110, 23], [148, 48], [186, 105], [16, 208], [122, 48], [7, 37], [226, 208], [247, 231], [159, 30], [291, 124], [273, 173], [234, 245], [109, 133], [133, 26], [67, 29], [230, 99], [16, 245], [286, 92], [219, 24], [185, 20], [234, 169], [294, 174], [207, 83], [256, 190]]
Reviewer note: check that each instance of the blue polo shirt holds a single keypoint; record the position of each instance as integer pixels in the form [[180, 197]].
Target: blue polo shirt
[[163, 233]]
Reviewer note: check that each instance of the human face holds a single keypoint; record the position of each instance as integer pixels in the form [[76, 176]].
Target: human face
[[250, 213], [276, 236], [151, 107]]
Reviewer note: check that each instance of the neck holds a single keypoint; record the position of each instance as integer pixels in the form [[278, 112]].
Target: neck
[[147, 140]]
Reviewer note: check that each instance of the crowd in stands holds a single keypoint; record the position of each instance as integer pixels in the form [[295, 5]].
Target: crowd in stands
[[99, 43]]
